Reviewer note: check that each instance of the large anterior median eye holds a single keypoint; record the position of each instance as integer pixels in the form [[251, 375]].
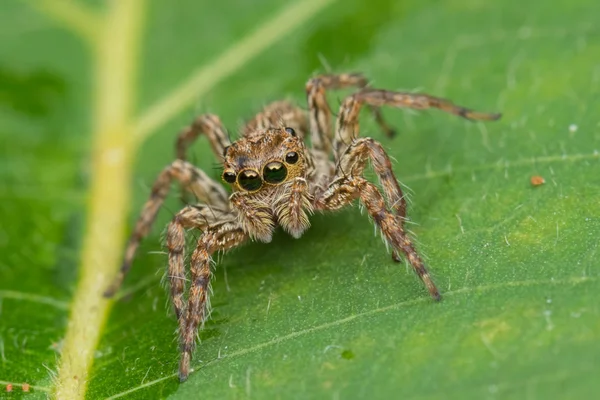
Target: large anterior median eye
[[274, 172], [249, 180]]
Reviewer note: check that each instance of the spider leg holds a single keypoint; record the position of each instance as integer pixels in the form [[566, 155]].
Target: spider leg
[[190, 177], [344, 190], [347, 127], [347, 130], [212, 127], [354, 161], [320, 113], [214, 239], [200, 217], [293, 206]]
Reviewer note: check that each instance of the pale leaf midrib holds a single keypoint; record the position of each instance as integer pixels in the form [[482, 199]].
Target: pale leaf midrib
[[109, 196]]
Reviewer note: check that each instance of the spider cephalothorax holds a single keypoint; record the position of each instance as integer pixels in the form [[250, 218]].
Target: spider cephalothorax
[[277, 181], [264, 160], [266, 170]]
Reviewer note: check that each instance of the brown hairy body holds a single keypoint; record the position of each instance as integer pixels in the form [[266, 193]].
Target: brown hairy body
[[278, 181]]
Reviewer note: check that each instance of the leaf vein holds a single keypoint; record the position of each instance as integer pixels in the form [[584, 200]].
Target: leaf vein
[[72, 15], [16, 295], [293, 335]]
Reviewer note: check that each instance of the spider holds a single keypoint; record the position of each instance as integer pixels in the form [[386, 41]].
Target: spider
[[278, 180]]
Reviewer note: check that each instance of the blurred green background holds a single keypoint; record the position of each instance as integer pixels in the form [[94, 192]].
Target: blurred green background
[[329, 315]]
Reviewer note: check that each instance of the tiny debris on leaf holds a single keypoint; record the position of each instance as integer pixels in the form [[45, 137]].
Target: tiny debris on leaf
[[25, 387], [537, 180], [9, 387]]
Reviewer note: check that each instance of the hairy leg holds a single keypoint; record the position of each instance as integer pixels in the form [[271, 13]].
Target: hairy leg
[[348, 151], [293, 208], [347, 127], [355, 159], [320, 113], [201, 217], [212, 127], [207, 191], [214, 239], [344, 190], [207, 124], [353, 163]]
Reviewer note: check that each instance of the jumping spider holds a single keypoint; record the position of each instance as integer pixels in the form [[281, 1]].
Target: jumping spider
[[278, 181]]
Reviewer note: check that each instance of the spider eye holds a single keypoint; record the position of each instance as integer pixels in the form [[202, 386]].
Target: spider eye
[[229, 176], [274, 172], [291, 131], [250, 180], [291, 157]]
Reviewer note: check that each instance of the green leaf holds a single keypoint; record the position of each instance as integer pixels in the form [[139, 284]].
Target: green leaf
[[328, 315]]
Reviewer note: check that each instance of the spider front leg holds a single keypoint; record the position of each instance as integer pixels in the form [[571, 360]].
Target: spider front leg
[[346, 189], [201, 217], [354, 161], [214, 239], [190, 177]]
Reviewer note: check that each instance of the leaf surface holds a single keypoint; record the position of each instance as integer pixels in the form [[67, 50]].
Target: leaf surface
[[329, 315]]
